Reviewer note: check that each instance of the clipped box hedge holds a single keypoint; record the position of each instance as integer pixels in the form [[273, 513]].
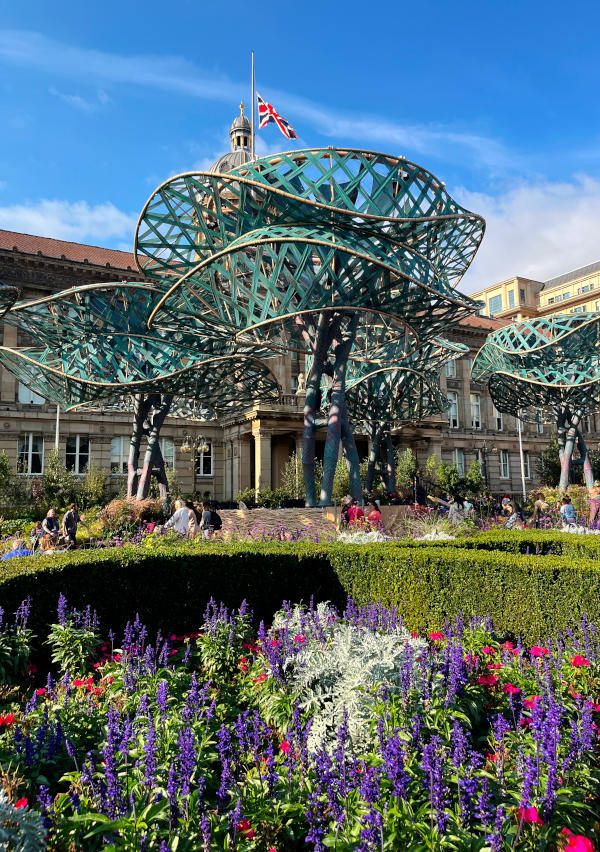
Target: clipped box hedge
[[529, 542], [528, 595]]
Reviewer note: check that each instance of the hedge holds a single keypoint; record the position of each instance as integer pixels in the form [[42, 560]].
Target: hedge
[[534, 542], [527, 595]]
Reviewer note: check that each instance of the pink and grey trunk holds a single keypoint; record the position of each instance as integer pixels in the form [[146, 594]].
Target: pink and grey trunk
[[569, 434], [149, 414], [331, 331], [381, 441]]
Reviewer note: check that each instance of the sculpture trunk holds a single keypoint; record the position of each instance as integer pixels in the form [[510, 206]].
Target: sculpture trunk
[[568, 432], [390, 467], [311, 408], [153, 454], [374, 455], [140, 412], [352, 458]]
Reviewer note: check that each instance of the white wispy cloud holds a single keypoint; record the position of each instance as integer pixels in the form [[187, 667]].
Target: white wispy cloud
[[536, 230], [76, 221], [177, 74], [92, 104]]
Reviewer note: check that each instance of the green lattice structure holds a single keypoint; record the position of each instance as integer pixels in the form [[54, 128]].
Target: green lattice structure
[[549, 365], [309, 250]]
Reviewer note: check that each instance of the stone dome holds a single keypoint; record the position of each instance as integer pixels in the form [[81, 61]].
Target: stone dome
[[240, 134]]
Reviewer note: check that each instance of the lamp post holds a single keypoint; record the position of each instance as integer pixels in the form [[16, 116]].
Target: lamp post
[[485, 450], [193, 445]]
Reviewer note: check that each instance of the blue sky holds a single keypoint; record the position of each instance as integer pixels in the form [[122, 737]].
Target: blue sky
[[101, 102]]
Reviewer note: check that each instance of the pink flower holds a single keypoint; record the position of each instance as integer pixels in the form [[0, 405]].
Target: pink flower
[[531, 702], [511, 689], [508, 646], [495, 666], [436, 636], [40, 691], [415, 635], [530, 815], [285, 747], [577, 842], [299, 638], [246, 829], [20, 803], [578, 661], [487, 680], [536, 651], [488, 650], [262, 677]]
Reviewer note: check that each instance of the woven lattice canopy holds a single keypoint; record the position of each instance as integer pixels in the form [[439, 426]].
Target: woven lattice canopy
[[261, 251], [549, 363]]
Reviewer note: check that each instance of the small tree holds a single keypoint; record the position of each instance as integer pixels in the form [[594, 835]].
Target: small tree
[[447, 476], [292, 479], [60, 486], [473, 478], [549, 463], [406, 467], [92, 491], [5, 473], [341, 480]]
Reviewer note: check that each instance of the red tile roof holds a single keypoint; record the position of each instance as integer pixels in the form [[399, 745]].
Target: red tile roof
[[61, 249], [488, 323]]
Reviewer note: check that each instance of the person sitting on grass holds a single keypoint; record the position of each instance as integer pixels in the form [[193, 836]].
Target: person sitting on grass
[[355, 514], [180, 519], [36, 535], [50, 524], [18, 549], [567, 511]]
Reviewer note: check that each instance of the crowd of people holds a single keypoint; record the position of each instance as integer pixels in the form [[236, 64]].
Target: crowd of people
[[191, 520], [49, 535]]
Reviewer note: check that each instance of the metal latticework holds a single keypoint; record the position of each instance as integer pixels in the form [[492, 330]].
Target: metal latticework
[[550, 364]]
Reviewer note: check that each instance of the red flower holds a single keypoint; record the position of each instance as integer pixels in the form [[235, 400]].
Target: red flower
[[31, 668], [488, 650], [508, 646], [285, 747], [495, 666], [531, 702], [77, 682], [487, 680], [511, 689], [20, 803], [244, 664], [577, 842], [530, 815], [246, 829], [436, 636], [7, 720], [415, 635], [536, 651], [40, 691], [262, 677], [578, 661], [492, 757], [299, 638]]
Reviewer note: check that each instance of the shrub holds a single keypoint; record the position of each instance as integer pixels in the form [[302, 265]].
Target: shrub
[[92, 491], [123, 514]]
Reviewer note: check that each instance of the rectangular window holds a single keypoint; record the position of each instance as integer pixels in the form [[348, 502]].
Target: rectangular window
[[522, 295], [459, 461], [527, 465], [475, 411], [556, 299], [566, 295], [498, 419], [511, 298], [551, 301], [294, 383], [495, 305], [167, 448], [453, 410], [597, 306], [29, 397], [293, 355], [204, 461], [504, 464], [587, 423], [451, 369], [30, 454], [77, 457], [119, 452], [539, 422]]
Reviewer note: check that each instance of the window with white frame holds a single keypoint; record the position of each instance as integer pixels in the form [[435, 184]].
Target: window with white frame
[[527, 465], [119, 453], [29, 397], [167, 448], [498, 420], [495, 304], [453, 410], [204, 461], [77, 457], [451, 369], [30, 454], [475, 411], [504, 464], [459, 461]]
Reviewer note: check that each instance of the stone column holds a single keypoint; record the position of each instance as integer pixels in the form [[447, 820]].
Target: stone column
[[8, 382], [262, 457]]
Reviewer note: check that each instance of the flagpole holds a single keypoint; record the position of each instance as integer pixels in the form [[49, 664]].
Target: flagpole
[[253, 108]]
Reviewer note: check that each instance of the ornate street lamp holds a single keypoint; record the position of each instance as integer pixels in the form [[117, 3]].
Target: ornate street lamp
[[194, 444]]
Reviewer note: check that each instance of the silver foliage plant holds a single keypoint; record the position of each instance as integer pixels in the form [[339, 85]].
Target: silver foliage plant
[[21, 830], [344, 665]]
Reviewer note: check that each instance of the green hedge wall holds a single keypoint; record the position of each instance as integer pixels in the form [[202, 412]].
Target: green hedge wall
[[528, 595], [530, 542]]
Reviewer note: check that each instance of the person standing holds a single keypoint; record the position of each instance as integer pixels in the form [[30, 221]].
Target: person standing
[[50, 525], [594, 496], [70, 522], [180, 519], [192, 520], [206, 523]]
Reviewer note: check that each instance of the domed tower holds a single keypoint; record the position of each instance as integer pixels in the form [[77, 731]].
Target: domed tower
[[240, 133]]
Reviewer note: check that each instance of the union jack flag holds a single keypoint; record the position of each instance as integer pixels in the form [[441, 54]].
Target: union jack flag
[[267, 113]]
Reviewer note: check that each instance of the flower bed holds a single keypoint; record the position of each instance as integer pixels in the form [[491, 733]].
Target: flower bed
[[320, 733]]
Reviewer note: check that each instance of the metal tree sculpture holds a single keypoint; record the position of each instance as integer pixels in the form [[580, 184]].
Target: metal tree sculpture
[[299, 250], [551, 363], [399, 389], [96, 347]]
